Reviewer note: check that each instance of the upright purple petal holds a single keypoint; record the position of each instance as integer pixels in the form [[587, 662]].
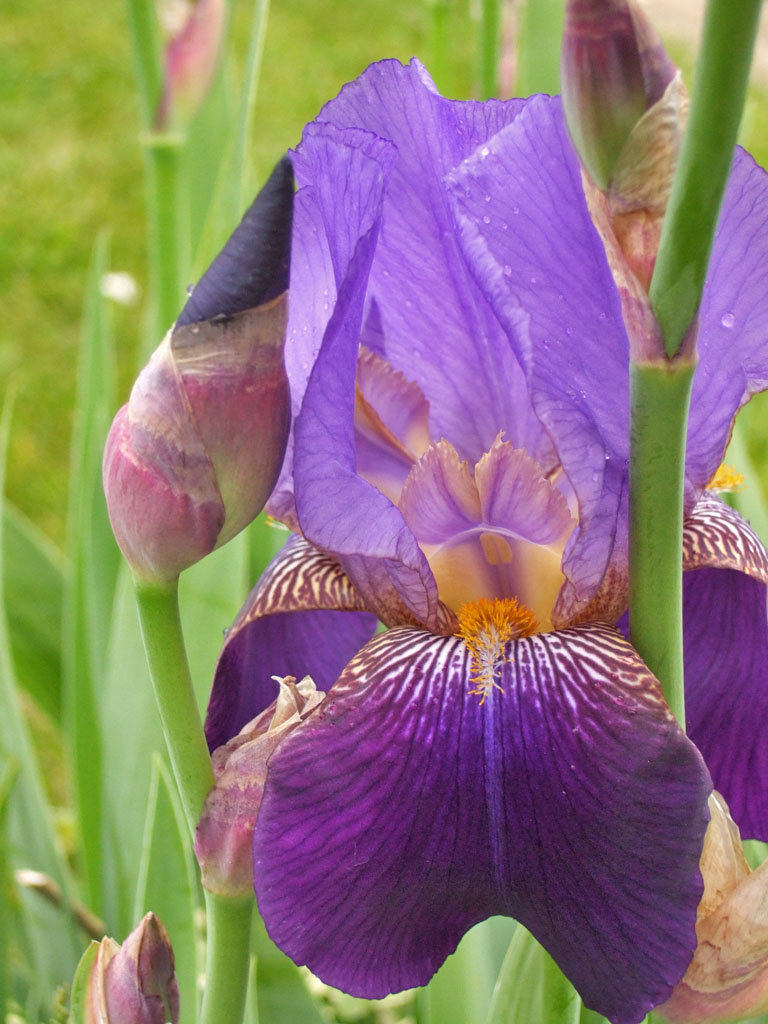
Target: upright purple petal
[[527, 235], [733, 319], [404, 811], [303, 617], [336, 508], [424, 295]]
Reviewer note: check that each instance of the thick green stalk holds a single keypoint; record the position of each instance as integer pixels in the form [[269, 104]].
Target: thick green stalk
[[228, 921], [489, 48], [227, 959], [538, 52], [660, 393], [659, 397], [719, 90], [167, 229], [182, 726]]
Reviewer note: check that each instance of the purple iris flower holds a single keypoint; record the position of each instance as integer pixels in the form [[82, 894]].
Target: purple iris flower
[[458, 471]]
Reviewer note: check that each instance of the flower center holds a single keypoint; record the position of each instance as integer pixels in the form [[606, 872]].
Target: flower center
[[491, 529], [486, 626]]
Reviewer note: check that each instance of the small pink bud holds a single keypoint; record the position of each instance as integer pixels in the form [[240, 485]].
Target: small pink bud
[[191, 57], [193, 456], [225, 832], [135, 983]]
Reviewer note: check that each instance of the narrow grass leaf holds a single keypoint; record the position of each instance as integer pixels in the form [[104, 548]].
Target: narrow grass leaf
[[167, 882], [538, 54], [34, 581], [93, 559], [78, 999], [30, 835], [282, 994], [8, 774], [147, 59], [531, 987], [461, 991], [750, 500]]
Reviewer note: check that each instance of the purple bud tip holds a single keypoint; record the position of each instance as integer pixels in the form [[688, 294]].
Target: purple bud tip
[[613, 70], [135, 983], [254, 265]]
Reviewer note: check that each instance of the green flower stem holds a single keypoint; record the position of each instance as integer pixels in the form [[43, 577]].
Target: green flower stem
[[660, 392], [182, 726], [167, 228], [719, 90], [228, 921], [659, 397], [439, 45], [227, 959], [489, 48]]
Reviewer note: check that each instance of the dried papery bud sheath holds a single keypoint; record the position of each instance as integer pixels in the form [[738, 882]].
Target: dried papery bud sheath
[[728, 977], [191, 55], [224, 834], [193, 456], [132, 984]]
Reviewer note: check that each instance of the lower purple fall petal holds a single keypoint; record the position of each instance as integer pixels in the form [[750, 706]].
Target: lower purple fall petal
[[405, 810], [726, 688]]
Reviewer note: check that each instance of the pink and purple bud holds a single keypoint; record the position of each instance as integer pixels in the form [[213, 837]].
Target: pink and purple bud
[[191, 58], [626, 107], [224, 837], [132, 984], [193, 456], [614, 70]]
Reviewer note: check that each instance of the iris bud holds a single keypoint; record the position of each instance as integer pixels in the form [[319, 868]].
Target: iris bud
[[193, 456], [615, 75], [132, 984], [224, 834], [191, 56]]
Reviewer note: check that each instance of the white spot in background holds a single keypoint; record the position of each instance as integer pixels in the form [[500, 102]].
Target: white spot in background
[[119, 286]]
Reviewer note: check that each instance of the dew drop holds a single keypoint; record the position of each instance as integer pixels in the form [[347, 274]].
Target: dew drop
[[728, 320], [190, 289], [486, 219], [507, 270], [515, 209], [485, 151], [487, 198]]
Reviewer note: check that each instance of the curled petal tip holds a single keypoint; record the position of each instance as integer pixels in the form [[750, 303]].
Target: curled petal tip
[[253, 267]]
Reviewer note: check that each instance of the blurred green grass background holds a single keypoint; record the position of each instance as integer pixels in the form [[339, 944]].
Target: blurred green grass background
[[72, 167]]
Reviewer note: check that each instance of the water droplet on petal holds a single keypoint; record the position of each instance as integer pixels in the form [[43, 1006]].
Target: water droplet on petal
[[728, 320], [486, 220]]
